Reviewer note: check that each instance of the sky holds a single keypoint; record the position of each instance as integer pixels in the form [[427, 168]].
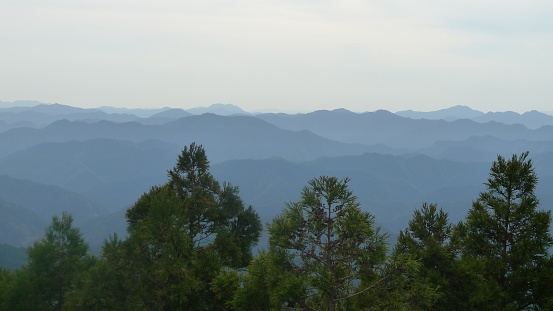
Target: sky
[[279, 55]]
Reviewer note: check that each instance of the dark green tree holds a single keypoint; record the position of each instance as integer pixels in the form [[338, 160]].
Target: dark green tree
[[397, 287], [544, 291], [212, 216], [329, 242], [224, 287], [183, 238], [6, 277], [18, 292], [428, 239], [506, 238], [271, 282], [105, 286], [54, 262]]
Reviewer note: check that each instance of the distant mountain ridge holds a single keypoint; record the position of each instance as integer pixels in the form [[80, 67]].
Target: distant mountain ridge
[[294, 137], [36, 114], [97, 162], [219, 109], [452, 113], [20, 103], [384, 127], [173, 113], [531, 119], [233, 137], [46, 200], [41, 114], [113, 172]]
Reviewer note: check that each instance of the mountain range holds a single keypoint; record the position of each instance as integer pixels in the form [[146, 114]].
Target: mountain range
[[95, 163], [531, 119]]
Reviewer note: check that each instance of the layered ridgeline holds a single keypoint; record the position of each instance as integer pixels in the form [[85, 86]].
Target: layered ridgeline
[[530, 119], [95, 163]]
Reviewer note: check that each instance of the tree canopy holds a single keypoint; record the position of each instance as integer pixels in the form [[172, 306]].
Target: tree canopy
[[189, 247], [182, 235], [328, 242], [506, 237]]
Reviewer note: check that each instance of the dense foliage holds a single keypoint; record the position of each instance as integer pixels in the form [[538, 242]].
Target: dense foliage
[[189, 247], [506, 238]]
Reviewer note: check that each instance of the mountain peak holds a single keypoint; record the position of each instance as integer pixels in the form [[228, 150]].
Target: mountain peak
[[172, 113], [451, 113], [220, 109], [342, 110]]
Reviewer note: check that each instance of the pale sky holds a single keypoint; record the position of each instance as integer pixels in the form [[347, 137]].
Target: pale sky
[[286, 55]]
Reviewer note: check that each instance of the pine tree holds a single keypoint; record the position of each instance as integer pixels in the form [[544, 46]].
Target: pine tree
[[183, 236], [428, 239], [331, 243], [506, 238]]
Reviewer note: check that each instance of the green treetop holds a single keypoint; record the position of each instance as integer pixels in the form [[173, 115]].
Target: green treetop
[[506, 236], [329, 241], [184, 233]]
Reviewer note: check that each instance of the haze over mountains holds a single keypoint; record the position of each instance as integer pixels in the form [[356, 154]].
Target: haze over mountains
[[95, 163], [531, 119]]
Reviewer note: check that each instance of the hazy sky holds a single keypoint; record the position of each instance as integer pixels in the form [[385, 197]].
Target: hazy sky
[[282, 54]]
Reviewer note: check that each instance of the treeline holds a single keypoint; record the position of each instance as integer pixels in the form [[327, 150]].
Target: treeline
[[189, 247]]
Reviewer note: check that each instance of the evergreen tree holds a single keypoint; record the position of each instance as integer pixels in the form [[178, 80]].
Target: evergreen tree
[[328, 242], [397, 287], [105, 285], [543, 292], [506, 238], [271, 282], [184, 236], [428, 239], [54, 262]]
